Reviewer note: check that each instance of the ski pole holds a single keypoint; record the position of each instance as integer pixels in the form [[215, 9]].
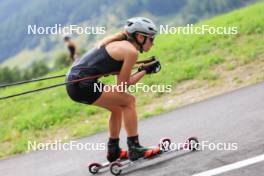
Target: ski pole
[[29, 81], [59, 76], [56, 85]]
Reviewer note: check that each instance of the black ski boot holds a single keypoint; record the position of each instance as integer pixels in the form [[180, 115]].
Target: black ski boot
[[114, 152], [136, 151]]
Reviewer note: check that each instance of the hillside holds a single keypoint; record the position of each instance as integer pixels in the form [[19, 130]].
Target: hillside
[[202, 60], [16, 16]]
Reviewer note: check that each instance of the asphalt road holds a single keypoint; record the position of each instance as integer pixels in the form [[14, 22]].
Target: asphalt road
[[235, 118]]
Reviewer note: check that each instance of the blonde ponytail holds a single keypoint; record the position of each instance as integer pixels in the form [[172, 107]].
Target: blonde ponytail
[[112, 38]]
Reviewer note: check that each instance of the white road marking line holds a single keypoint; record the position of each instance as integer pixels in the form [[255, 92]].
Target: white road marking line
[[233, 166]]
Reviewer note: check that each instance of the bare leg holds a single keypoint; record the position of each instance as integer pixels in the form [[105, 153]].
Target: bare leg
[[130, 120], [127, 103], [115, 121]]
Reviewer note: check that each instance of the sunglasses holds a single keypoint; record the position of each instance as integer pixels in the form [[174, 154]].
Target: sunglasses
[[151, 39]]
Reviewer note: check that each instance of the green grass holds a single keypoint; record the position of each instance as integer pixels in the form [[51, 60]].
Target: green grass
[[51, 114], [230, 66]]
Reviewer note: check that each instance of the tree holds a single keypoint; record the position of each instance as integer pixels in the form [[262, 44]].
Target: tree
[[39, 68], [62, 61]]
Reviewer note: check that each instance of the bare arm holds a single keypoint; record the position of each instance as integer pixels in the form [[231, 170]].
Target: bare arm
[[136, 77], [124, 76]]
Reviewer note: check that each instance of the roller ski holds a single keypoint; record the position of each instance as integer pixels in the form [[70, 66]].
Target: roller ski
[[164, 148], [115, 154]]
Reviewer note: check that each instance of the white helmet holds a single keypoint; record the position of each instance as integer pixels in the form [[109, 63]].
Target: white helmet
[[141, 25]]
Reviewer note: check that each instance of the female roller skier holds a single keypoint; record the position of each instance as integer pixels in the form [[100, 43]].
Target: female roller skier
[[116, 53]]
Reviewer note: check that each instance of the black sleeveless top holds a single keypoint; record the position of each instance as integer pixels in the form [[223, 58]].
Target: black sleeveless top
[[97, 61]]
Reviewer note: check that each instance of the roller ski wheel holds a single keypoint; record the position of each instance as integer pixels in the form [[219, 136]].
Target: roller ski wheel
[[115, 168], [94, 168], [165, 144], [192, 143]]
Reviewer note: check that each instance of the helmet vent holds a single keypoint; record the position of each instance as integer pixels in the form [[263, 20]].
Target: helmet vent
[[150, 28], [129, 24], [146, 21]]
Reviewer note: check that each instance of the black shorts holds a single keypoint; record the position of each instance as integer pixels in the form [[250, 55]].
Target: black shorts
[[86, 92]]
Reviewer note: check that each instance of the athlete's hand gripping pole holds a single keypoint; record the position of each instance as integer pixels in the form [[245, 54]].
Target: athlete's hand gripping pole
[[151, 67]]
